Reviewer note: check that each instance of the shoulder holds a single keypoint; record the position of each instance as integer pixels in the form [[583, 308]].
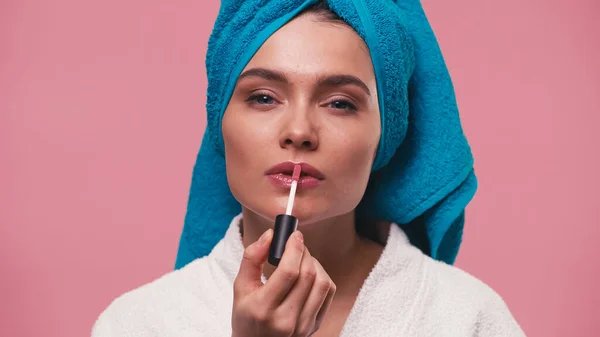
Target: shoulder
[[461, 294], [438, 280], [153, 308], [459, 283]]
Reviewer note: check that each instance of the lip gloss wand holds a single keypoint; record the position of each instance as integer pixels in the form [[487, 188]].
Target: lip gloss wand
[[285, 224]]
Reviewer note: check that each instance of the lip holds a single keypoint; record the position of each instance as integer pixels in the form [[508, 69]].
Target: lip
[[281, 175]]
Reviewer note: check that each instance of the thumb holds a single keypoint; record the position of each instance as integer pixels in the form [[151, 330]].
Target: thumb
[[251, 268]]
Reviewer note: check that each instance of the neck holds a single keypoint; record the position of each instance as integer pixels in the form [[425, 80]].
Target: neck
[[333, 242]]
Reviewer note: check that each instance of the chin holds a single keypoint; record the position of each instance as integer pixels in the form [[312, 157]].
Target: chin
[[308, 208], [309, 214], [306, 214]]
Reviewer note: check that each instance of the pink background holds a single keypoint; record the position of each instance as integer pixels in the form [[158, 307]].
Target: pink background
[[101, 115]]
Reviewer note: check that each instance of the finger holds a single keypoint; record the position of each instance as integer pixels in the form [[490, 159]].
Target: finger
[[284, 277], [321, 286], [294, 302], [328, 299], [251, 267]]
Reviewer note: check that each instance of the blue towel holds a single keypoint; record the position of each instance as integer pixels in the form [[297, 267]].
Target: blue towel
[[422, 178]]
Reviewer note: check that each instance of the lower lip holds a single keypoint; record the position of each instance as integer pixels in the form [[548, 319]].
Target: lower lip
[[284, 180]]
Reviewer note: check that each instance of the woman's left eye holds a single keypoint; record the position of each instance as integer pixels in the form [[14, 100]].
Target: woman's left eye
[[342, 105]]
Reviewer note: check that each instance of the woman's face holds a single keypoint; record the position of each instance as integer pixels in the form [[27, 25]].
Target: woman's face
[[307, 96]]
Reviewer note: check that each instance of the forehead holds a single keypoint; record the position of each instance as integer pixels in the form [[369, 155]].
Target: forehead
[[306, 46]]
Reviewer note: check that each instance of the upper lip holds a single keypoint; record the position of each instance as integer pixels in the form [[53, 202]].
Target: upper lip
[[288, 168]]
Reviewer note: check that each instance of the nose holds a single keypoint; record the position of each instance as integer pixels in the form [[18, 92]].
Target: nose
[[299, 132]]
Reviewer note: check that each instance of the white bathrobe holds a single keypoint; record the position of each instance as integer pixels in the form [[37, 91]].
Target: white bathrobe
[[406, 294]]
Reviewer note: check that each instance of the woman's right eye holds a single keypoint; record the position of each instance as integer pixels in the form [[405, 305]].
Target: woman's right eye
[[261, 99]]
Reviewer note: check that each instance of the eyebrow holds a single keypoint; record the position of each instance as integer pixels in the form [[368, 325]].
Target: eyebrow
[[328, 80]]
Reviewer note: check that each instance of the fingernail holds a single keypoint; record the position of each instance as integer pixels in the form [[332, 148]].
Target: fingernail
[[265, 236], [298, 236]]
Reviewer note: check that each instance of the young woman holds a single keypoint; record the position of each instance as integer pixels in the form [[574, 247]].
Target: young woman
[[309, 95]]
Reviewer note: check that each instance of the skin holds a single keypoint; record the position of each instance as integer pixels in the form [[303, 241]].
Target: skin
[[333, 127]]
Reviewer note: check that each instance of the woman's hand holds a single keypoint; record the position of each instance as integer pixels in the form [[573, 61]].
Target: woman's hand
[[294, 300]]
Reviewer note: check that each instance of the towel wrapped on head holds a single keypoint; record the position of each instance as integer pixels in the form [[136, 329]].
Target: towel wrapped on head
[[422, 177]]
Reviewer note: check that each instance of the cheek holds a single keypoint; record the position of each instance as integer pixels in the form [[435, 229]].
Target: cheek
[[242, 136], [360, 146], [248, 139], [238, 145], [352, 160], [359, 162]]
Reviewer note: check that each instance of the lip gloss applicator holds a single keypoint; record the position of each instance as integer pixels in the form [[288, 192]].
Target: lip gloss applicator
[[285, 224]]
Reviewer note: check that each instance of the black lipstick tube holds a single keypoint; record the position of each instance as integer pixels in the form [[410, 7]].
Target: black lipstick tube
[[285, 225]]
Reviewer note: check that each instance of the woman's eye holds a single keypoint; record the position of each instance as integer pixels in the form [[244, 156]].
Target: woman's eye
[[261, 99], [343, 105]]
